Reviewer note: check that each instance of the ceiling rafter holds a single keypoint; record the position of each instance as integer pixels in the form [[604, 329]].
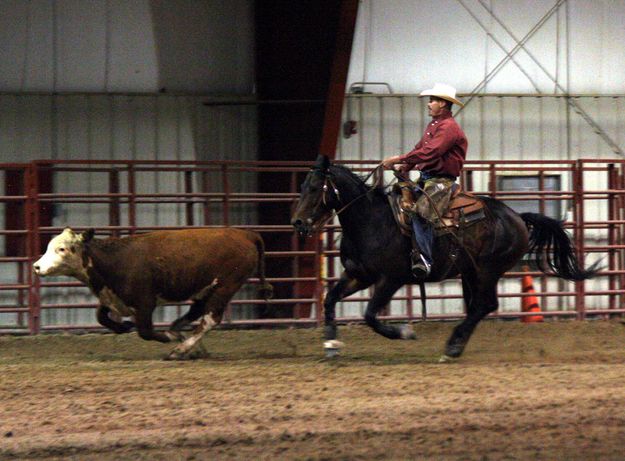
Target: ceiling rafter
[[520, 45]]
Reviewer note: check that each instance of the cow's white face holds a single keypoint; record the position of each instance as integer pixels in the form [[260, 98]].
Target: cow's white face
[[63, 255]]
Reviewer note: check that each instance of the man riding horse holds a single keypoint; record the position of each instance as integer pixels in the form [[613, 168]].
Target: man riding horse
[[439, 155]]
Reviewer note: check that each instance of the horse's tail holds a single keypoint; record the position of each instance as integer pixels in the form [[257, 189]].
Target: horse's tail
[[550, 243], [265, 289]]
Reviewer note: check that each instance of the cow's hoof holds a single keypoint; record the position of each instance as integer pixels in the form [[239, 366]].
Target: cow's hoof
[[332, 348], [177, 355], [127, 326], [406, 332], [175, 336]]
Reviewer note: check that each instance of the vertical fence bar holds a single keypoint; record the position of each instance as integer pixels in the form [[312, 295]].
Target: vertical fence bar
[[295, 247], [226, 222], [319, 292], [114, 217], [612, 214], [226, 190], [207, 202], [32, 250], [580, 306], [620, 234], [132, 205], [188, 189], [492, 180]]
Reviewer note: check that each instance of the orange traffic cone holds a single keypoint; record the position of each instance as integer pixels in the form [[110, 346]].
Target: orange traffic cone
[[529, 303]]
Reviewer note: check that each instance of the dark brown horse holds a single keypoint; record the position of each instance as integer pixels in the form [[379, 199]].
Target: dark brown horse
[[374, 252]]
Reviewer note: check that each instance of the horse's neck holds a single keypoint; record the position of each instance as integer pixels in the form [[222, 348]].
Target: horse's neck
[[356, 213]]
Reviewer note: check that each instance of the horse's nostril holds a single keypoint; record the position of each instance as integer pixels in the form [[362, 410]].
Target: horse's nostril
[[36, 268], [297, 222]]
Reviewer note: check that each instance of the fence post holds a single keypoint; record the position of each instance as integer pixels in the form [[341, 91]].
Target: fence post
[[188, 189], [32, 248], [320, 261], [132, 205], [612, 215], [226, 191], [578, 188], [114, 203]]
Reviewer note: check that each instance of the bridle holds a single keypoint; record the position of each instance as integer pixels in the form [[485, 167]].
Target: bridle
[[329, 184], [328, 181]]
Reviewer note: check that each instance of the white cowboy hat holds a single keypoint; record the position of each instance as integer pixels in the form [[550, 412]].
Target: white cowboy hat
[[446, 92]]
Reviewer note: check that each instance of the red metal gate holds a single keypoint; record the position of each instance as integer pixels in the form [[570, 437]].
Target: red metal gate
[[214, 195]]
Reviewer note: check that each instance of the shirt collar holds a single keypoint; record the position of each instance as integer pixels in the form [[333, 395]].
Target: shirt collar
[[443, 116]]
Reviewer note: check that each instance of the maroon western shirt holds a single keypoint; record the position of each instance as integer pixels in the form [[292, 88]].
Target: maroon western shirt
[[441, 150]]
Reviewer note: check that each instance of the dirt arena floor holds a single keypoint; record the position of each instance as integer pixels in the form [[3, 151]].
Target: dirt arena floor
[[550, 391]]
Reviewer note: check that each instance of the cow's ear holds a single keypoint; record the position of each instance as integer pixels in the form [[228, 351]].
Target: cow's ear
[[87, 235], [323, 162]]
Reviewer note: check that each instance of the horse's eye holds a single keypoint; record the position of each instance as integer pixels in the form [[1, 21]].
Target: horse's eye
[[61, 250]]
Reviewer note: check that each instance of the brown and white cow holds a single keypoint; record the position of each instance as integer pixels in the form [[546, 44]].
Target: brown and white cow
[[132, 275]]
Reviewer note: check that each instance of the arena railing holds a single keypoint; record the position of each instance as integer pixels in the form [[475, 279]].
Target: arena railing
[[110, 196]]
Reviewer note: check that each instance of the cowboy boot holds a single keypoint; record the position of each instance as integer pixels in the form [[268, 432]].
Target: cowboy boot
[[418, 264], [407, 202]]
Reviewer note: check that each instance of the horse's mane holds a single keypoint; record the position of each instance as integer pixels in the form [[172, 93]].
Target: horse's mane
[[343, 171]]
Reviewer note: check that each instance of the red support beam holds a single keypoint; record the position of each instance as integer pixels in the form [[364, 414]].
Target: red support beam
[[338, 78]]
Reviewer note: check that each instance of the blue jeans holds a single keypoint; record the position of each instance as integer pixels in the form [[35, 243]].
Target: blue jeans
[[424, 236]]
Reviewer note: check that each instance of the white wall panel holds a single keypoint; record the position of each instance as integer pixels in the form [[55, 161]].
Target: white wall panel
[[411, 44], [132, 46]]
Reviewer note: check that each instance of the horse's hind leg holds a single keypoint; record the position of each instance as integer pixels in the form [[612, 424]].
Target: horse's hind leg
[[343, 288], [481, 300]]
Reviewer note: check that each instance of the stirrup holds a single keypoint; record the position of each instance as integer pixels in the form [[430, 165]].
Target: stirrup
[[420, 268]]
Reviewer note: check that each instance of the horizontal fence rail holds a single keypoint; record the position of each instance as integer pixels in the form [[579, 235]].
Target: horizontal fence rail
[[119, 198]]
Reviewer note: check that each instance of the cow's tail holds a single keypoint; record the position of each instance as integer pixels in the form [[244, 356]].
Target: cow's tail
[[265, 290], [552, 247]]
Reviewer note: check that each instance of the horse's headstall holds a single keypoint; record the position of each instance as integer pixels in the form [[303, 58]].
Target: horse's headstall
[[327, 182]]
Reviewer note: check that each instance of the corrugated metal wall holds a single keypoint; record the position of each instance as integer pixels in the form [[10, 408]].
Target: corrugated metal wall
[[126, 127], [497, 127]]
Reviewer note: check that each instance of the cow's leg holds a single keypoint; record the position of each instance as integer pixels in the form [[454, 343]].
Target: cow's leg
[[213, 313], [197, 309], [104, 318], [207, 322], [145, 327]]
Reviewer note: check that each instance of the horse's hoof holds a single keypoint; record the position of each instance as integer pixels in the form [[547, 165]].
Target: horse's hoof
[[332, 347], [446, 359], [454, 350], [406, 332]]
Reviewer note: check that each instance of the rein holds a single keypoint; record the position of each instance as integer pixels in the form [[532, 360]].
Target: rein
[[328, 181]]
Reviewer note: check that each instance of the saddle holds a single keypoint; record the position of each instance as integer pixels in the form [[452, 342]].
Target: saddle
[[464, 210]]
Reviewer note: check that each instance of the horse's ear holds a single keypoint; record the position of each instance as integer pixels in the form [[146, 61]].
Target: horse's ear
[[323, 162]]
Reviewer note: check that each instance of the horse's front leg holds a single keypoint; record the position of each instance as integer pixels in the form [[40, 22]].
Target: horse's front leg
[[345, 287], [384, 291]]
